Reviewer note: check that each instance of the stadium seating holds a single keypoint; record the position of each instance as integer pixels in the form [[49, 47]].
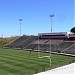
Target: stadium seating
[[32, 46], [54, 41], [44, 44], [65, 45], [17, 41], [47, 41], [26, 42], [70, 50], [70, 39]]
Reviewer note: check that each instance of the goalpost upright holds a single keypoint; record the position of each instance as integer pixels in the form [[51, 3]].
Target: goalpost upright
[[49, 57]]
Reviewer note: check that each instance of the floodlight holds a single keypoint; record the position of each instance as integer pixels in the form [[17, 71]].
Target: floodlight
[[20, 25]]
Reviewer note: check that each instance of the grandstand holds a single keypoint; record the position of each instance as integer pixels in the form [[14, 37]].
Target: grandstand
[[17, 41], [21, 42], [70, 50], [63, 46], [47, 41], [27, 42], [60, 42]]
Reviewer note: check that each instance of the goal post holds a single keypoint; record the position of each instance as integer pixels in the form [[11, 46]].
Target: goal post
[[41, 54]]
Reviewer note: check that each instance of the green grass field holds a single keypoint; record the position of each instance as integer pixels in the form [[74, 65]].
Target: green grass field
[[17, 62]]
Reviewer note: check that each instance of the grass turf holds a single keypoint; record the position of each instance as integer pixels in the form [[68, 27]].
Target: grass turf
[[18, 62]]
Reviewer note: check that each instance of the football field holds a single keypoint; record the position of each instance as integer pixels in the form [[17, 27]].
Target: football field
[[21, 62]]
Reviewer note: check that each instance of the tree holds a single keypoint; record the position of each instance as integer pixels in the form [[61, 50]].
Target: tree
[[73, 30]]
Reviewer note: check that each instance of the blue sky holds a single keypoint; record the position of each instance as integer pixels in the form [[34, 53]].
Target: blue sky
[[35, 15]]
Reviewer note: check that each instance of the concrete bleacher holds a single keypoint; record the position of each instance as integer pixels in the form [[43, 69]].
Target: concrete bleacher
[[48, 41], [17, 41], [55, 47], [26, 42], [64, 45], [55, 41], [70, 39], [59, 45], [32, 46], [70, 50]]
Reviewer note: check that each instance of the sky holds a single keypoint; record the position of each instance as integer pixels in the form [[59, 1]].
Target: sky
[[35, 15]]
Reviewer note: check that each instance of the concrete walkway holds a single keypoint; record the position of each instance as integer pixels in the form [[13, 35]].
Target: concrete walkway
[[67, 69]]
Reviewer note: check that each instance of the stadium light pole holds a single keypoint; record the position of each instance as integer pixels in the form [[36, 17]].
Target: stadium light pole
[[20, 20], [51, 16]]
